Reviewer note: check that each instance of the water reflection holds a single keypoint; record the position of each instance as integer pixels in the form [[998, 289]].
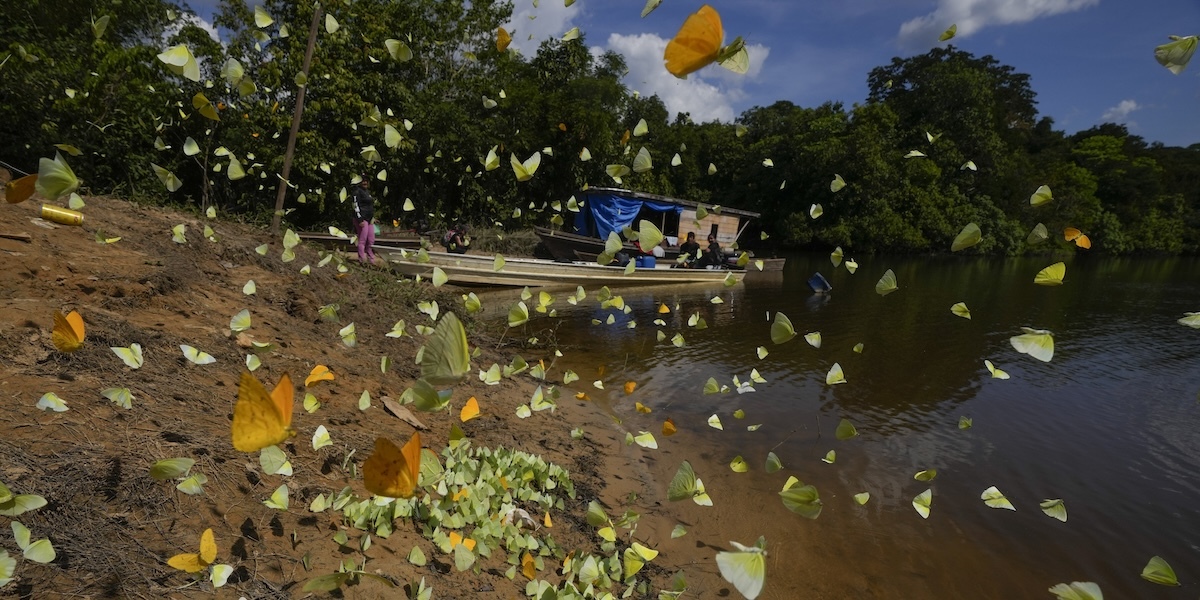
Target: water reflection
[[1109, 425]]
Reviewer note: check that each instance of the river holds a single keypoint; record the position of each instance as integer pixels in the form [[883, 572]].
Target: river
[[1111, 425]]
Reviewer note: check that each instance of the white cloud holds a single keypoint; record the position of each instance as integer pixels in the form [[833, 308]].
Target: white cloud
[[707, 94], [973, 15], [552, 21], [1120, 112], [198, 21]]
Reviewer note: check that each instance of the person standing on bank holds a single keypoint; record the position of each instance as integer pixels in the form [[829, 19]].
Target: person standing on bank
[[364, 213]]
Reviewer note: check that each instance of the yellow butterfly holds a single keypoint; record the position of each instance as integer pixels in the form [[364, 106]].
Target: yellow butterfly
[[697, 43], [1051, 275], [503, 39], [392, 472], [524, 171], [68, 331], [261, 419], [194, 563]]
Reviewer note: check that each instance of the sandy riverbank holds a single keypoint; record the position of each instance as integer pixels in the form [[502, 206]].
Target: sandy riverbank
[[113, 526]]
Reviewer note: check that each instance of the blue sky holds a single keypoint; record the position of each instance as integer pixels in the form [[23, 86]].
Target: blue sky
[[1091, 61]]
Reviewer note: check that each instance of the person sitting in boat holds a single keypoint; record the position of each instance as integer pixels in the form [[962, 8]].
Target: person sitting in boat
[[713, 257], [691, 249], [456, 240]]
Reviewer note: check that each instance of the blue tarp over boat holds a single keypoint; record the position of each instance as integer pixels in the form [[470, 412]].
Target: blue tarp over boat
[[606, 211]]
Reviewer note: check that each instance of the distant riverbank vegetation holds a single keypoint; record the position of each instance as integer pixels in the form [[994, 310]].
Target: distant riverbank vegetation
[[416, 93]]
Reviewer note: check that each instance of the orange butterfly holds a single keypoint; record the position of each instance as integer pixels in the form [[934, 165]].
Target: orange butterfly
[[503, 39], [470, 410], [1074, 235], [669, 427], [68, 331], [19, 190], [697, 44], [528, 567], [630, 386], [393, 472], [261, 419], [319, 373], [457, 538]]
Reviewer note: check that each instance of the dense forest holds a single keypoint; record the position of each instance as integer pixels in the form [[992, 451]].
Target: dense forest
[[415, 93]]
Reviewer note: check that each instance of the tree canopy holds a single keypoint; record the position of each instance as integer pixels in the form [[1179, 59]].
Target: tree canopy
[[416, 95]]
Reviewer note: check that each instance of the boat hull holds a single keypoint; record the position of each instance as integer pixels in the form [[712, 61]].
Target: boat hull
[[572, 246], [474, 270], [575, 247]]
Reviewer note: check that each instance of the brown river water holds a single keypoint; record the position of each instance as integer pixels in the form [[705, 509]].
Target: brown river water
[[1111, 425]]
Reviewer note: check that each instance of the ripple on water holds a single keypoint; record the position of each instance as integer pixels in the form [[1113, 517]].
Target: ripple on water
[[1109, 425]]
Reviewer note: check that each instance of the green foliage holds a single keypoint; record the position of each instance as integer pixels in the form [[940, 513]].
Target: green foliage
[[418, 127]]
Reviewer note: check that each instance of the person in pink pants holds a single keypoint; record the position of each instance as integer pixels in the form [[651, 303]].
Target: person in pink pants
[[364, 213]]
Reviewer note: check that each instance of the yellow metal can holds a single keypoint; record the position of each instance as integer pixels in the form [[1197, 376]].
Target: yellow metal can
[[65, 216]]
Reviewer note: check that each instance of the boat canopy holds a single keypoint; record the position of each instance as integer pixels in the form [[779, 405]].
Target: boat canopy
[[609, 209]]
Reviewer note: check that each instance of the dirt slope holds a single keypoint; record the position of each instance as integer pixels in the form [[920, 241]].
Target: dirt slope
[[112, 525]]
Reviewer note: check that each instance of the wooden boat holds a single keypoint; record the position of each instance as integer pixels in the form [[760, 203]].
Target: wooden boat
[[609, 209], [477, 270], [383, 241]]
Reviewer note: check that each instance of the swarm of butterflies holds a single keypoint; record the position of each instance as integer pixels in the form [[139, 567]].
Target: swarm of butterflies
[[262, 419]]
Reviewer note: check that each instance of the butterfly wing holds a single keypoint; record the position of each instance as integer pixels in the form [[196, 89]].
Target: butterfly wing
[[745, 570], [19, 190], [282, 398], [55, 178], [503, 39], [1051, 275], [470, 410], [518, 168], [208, 547], [922, 502], [392, 472], [1037, 343], [445, 359], [969, 236], [319, 373], [1176, 54], [189, 563], [257, 420], [683, 484], [782, 329], [697, 43], [886, 284], [68, 331], [642, 162], [835, 375], [531, 164]]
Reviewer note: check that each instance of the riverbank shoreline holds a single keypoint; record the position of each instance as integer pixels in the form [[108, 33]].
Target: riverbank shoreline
[[91, 462]]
